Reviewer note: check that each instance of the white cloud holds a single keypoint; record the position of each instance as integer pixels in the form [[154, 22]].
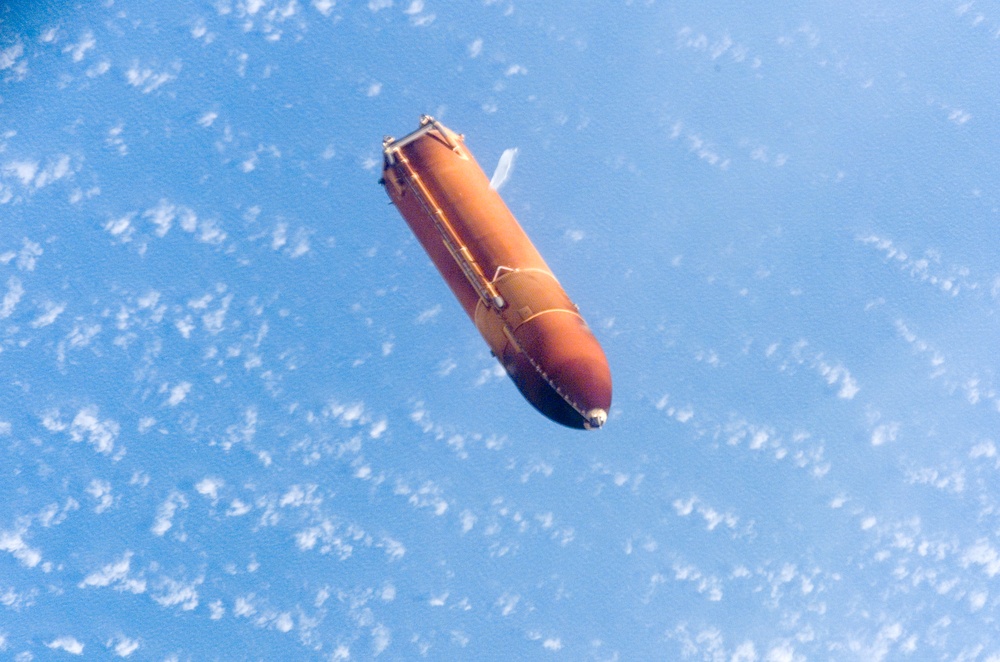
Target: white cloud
[[745, 652], [508, 603], [9, 55], [28, 256], [12, 297], [66, 643], [116, 575], [115, 140], [178, 393], [99, 434], [244, 607], [23, 170], [13, 543], [162, 216], [983, 449], [238, 508], [837, 373], [200, 31], [381, 638], [848, 388], [216, 609], [782, 653], [209, 487], [982, 553], [185, 326], [101, 491], [53, 171], [98, 69], [171, 593], [79, 49], [52, 312], [324, 6], [165, 513], [123, 646], [146, 79], [429, 314], [394, 549], [250, 163], [208, 118], [284, 622], [214, 322], [884, 433]]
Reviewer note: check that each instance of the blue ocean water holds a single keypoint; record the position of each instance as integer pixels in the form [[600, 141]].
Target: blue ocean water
[[241, 417]]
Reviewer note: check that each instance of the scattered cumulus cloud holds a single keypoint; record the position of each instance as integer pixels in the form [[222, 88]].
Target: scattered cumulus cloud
[[51, 312], [166, 511], [98, 69], [209, 487], [28, 256], [238, 508], [66, 643], [800, 354], [79, 49], [12, 297], [115, 141], [116, 575], [716, 48], [123, 646], [9, 55], [101, 434], [324, 7], [429, 314], [178, 393], [925, 268], [100, 490], [170, 592], [983, 554], [24, 171], [208, 118], [14, 544], [146, 79], [696, 144], [883, 433]]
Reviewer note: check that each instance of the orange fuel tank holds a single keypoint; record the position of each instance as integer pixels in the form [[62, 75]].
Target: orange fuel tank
[[521, 310]]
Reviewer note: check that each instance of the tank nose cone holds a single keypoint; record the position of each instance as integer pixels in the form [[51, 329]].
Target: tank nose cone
[[595, 419]]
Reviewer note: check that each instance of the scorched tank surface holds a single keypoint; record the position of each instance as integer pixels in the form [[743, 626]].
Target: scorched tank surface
[[495, 272]]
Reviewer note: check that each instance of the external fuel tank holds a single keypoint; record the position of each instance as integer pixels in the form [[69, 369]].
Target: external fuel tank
[[495, 272]]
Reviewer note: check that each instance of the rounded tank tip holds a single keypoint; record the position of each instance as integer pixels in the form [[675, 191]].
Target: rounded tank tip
[[595, 419]]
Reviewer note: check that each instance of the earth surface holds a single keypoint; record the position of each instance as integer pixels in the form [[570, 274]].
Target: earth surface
[[242, 417]]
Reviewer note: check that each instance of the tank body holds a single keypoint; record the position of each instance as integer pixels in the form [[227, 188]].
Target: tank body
[[527, 319]]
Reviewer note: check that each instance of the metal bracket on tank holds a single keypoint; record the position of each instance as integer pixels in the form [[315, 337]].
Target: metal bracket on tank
[[394, 158], [427, 123]]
